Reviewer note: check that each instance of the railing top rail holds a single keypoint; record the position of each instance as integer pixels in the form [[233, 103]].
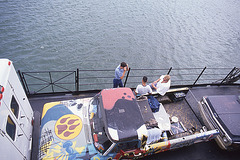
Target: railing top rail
[[47, 71], [131, 69], [81, 70]]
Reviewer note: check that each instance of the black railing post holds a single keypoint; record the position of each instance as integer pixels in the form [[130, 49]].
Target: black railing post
[[199, 76], [228, 75], [169, 71], [77, 81], [126, 77], [51, 83]]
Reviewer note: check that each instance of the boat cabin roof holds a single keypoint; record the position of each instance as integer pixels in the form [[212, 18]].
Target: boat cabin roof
[[227, 110], [122, 117], [5, 70]]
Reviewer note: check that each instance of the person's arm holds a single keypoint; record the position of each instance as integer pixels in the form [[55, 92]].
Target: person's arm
[[127, 68], [153, 85], [123, 74], [158, 80], [150, 90], [136, 90]]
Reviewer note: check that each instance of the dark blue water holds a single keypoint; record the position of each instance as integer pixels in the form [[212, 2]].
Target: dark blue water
[[65, 34]]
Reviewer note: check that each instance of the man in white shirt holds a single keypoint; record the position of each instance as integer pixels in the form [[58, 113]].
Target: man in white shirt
[[143, 88], [162, 84]]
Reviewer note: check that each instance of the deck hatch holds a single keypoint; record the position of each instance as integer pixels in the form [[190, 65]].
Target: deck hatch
[[227, 108], [122, 113]]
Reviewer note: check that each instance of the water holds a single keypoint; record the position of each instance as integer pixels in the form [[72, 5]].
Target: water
[[97, 34]]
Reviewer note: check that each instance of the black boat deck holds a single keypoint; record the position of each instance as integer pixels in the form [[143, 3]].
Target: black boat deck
[[185, 115], [207, 150]]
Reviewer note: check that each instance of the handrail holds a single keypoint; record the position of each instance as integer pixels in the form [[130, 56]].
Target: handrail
[[83, 80], [127, 77], [228, 74], [199, 75]]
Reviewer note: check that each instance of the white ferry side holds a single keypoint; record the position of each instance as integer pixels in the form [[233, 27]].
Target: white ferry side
[[16, 115]]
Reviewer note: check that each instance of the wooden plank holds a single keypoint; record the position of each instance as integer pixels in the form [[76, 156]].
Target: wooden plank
[[171, 90]]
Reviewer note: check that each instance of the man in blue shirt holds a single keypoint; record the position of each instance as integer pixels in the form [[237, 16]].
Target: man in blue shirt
[[119, 74]]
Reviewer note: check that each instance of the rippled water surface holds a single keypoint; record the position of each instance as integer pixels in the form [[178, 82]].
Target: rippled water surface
[[65, 34]]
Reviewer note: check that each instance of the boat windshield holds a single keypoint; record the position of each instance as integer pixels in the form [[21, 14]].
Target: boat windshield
[[101, 141]]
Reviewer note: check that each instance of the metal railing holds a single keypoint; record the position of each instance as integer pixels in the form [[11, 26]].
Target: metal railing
[[87, 80]]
